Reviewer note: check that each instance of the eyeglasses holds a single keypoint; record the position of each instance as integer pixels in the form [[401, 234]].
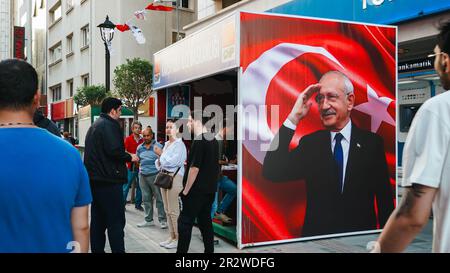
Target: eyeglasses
[[435, 54], [330, 97]]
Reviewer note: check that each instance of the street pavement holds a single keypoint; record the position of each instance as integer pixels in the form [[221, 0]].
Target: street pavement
[[146, 240]]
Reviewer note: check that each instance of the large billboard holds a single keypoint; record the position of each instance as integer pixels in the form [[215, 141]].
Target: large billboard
[[299, 179]]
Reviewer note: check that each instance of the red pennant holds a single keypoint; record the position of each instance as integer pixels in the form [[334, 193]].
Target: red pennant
[[159, 8], [123, 28]]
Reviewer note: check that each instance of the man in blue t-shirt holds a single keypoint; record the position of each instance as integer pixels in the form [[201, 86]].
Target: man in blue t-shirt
[[44, 187], [147, 176]]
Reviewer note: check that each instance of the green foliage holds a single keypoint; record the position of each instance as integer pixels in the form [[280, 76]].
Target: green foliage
[[90, 95], [133, 83]]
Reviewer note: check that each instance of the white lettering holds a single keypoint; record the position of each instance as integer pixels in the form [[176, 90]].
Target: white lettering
[[372, 2], [377, 2], [186, 263]]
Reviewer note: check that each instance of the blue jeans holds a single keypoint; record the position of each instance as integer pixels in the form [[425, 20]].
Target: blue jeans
[[132, 176], [229, 187]]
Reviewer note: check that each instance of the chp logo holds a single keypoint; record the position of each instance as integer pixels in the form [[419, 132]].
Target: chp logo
[[229, 42]]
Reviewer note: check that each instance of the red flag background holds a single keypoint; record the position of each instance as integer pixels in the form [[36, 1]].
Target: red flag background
[[270, 211]]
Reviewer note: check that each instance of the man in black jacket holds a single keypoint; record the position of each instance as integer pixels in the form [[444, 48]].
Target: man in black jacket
[[42, 122], [105, 159], [344, 167]]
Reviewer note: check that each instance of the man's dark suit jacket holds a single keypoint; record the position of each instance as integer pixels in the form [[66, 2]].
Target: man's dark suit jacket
[[328, 211]]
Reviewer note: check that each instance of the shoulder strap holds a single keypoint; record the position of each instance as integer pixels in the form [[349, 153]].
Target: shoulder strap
[[175, 174]]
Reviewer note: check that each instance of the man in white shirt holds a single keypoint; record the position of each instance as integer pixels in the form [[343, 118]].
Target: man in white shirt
[[344, 167], [426, 167]]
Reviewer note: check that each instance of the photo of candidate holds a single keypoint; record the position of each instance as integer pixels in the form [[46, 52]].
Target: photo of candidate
[[343, 166]]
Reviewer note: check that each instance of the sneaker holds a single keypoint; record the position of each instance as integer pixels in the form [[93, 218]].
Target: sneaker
[[172, 245], [222, 217], [146, 224], [166, 242], [140, 208], [163, 225]]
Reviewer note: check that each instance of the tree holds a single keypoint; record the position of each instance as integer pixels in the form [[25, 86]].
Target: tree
[[133, 83], [93, 95]]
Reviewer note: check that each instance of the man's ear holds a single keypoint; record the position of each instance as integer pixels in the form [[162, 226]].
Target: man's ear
[[351, 100], [445, 63], [37, 100]]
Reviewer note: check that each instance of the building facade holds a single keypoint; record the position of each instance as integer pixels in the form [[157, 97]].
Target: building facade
[[76, 53], [5, 29], [30, 16]]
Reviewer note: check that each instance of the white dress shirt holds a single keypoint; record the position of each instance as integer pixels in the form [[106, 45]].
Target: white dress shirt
[[345, 142]]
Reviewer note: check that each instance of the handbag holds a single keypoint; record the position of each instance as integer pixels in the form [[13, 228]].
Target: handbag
[[164, 180]]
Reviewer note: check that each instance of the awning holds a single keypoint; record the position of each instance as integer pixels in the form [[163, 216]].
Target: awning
[[209, 51]]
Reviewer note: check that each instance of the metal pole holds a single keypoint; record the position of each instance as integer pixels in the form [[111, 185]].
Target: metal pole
[[107, 67], [178, 20]]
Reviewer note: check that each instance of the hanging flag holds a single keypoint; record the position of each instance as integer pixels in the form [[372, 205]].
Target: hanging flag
[[152, 6], [140, 14], [138, 35], [123, 28]]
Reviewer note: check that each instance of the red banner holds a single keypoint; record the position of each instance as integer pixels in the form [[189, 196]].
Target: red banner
[[19, 43], [58, 111], [280, 57]]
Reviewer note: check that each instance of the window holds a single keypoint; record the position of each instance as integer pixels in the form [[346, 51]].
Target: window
[[56, 93], [227, 3], [183, 3], [174, 36], [85, 80], [85, 36], [55, 53], [69, 5], [55, 13], [69, 47], [70, 87]]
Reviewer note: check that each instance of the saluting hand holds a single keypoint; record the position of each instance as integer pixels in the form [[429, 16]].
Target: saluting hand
[[302, 105]]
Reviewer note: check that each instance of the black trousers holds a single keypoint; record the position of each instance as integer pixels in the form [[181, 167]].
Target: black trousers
[[107, 213], [196, 206]]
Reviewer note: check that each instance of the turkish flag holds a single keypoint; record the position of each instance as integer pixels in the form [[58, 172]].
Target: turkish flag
[[280, 57], [159, 7], [123, 28]]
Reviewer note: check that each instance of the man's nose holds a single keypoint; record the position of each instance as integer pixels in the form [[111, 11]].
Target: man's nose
[[325, 105]]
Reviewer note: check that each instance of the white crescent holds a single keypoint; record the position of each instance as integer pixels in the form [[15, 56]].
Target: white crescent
[[255, 82]]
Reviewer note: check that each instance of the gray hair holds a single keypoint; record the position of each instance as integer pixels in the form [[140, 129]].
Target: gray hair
[[348, 85], [136, 123]]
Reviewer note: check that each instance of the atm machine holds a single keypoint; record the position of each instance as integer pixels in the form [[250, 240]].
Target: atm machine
[[412, 94]]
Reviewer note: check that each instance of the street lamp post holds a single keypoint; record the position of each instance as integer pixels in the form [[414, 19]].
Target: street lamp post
[[107, 34]]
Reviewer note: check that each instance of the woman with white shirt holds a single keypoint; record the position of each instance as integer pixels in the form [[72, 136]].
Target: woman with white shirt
[[171, 158]]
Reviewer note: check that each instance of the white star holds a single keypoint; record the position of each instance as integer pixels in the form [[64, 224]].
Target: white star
[[376, 107]]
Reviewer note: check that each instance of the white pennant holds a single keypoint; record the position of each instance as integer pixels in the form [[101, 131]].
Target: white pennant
[[140, 14], [138, 35]]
